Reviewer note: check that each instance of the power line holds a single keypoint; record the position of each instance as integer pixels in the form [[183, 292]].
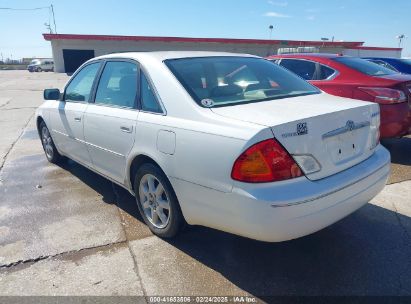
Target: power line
[[49, 8], [24, 9]]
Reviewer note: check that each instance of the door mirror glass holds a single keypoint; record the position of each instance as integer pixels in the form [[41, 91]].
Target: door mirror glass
[[51, 94]]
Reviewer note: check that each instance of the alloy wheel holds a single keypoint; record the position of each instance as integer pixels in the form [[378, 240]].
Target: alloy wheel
[[154, 201], [47, 142]]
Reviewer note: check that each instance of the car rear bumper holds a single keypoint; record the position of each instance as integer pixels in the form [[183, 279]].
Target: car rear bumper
[[284, 210], [395, 120]]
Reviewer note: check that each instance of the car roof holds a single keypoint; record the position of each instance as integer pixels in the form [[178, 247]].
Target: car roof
[[164, 55], [382, 58], [307, 55]]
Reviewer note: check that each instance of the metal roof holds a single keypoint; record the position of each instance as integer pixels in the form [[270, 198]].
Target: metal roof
[[284, 43]]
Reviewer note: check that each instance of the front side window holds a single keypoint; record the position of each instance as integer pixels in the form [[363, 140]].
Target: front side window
[[149, 101], [303, 68], [79, 88], [118, 85], [364, 66], [220, 81]]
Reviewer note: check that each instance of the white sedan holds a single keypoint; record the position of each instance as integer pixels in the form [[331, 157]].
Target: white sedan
[[228, 141]]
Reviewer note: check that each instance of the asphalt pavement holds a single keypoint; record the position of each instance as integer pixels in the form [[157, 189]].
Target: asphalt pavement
[[65, 230]]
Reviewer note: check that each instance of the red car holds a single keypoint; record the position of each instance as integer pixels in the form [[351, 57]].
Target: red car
[[359, 79]]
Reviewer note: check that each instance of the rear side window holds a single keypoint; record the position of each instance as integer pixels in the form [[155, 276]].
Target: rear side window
[[149, 102], [79, 88], [325, 72], [364, 66], [303, 68], [118, 85]]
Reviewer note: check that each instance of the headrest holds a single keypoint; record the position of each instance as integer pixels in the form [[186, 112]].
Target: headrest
[[227, 90]]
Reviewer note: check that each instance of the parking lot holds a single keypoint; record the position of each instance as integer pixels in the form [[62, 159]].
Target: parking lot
[[67, 231]]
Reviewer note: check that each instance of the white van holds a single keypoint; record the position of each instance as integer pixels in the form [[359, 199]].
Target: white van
[[39, 65]]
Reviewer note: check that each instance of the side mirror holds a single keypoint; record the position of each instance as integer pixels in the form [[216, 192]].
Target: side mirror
[[51, 94]]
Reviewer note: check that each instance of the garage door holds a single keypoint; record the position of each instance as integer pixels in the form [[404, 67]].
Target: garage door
[[75, 58]]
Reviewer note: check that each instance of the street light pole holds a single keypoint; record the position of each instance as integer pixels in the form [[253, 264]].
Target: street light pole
[[400, 38]]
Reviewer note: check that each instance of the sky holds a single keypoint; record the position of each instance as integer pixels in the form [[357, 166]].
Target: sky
[[376, 22]]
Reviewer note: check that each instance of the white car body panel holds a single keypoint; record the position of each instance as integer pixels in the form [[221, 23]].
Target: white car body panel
[[66, 122], [109, 152], [318, 112], [196, 148], [285, 210]]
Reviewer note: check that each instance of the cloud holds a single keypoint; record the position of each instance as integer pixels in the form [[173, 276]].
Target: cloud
[[275, 15], [278, 3], [311, 18], [312, 10]]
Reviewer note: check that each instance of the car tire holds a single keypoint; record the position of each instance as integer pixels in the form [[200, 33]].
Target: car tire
[[157, 201], [49, 147], [39, 70]]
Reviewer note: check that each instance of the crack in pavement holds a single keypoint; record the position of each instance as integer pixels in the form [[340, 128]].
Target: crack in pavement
[[41, 258], [397, 215], [133, 256], [2, 106], [23, 90], [407, 234], [3, 161], [22, 108]]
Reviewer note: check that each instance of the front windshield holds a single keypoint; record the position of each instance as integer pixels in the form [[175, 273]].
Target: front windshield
[[219, 81], [35, 61], [365, 66]]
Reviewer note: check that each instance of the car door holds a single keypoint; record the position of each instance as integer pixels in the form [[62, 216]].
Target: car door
[[110, 122], [67, 118]]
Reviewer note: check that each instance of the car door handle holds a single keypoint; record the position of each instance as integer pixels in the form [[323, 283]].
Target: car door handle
[[126, 129], [77, 119]]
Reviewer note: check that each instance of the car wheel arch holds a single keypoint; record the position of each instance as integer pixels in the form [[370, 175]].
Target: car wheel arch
[[137, 161], [39, 120]]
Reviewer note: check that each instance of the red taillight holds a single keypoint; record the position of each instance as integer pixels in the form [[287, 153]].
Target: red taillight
[[264, 162], [385, 95]]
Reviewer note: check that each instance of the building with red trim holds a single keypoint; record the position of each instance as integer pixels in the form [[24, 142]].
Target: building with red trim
[[70, 51]]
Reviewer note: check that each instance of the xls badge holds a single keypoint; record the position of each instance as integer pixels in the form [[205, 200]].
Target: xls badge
[[302, 129]]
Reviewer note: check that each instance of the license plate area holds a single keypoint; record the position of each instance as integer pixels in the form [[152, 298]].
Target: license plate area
[[344, 147]]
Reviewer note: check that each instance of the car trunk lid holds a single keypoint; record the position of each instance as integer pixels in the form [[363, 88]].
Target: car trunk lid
[[338, 133]]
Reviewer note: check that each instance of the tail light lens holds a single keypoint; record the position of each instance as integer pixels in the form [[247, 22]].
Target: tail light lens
[[264, 162], [385, 95], [375, 129]]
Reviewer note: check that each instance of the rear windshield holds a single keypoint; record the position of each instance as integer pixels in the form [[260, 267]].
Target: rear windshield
[[220, 81], [406, 61], [365, 66]]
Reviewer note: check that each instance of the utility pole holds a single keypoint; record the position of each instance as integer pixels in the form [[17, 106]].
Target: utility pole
[[271, 30], [54, 18], [49, 27]]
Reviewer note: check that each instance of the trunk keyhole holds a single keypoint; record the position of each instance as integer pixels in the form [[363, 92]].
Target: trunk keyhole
[[339, 151], [353, 146]]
